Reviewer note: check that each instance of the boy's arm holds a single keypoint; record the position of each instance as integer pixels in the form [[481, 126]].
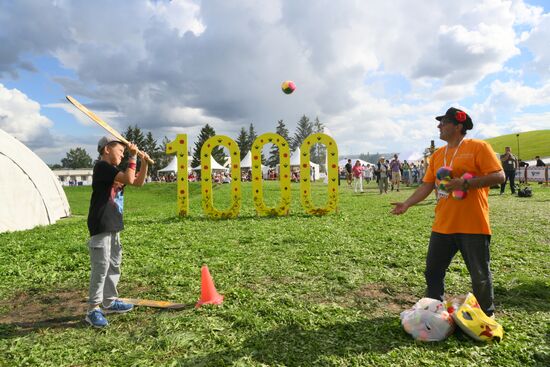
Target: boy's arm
[[128, 177], [142, 175]]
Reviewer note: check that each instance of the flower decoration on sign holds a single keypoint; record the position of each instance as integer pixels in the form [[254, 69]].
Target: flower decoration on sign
[[460, 116]]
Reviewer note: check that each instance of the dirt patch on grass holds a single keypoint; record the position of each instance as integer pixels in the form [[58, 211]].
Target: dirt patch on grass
[[383, 298], [27, 307], [376, 298]]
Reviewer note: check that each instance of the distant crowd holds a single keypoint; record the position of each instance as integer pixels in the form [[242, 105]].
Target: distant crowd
[[387, 174]]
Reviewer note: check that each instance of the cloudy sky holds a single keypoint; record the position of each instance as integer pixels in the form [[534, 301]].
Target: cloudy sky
[[374, 72]]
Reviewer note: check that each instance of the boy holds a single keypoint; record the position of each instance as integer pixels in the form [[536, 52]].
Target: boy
[[105, 223]]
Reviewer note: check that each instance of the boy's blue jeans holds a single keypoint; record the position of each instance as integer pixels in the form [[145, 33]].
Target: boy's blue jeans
[[475, 252], [105, 259]]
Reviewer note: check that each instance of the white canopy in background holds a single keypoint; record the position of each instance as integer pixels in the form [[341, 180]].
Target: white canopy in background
[[214, 165], [246, 162], [173, 165], [295, 161], [30, 193]]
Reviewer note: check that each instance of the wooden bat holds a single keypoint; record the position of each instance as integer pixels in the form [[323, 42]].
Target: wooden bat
[[157, 304], [102, 123]]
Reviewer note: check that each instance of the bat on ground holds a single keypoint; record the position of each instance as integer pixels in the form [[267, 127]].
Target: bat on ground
[[101, 123], [156, 304]]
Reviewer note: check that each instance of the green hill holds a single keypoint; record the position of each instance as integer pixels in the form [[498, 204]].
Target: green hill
[[531, 144]]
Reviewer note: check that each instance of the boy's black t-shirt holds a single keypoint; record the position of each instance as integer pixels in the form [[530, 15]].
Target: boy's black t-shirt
[[106, 204], [348, 167]]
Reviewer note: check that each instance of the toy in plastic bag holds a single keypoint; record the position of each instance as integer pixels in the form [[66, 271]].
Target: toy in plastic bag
[[428, 320], [473, 321]]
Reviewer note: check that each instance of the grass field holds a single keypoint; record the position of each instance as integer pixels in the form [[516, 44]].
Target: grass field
[[298, 290], [531, 144]]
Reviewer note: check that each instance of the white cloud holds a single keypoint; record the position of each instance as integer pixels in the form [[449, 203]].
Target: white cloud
[[20, 116], [181, 15], [537, 42]]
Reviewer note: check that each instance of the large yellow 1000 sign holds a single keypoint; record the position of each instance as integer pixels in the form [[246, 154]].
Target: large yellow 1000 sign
[[179, 147]]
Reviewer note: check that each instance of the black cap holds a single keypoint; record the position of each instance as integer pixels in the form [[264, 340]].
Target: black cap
[[457, 117]]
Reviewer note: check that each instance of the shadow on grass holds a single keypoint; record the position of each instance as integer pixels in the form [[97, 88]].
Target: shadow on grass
[[294, 345], [530, 295], [18, 329]]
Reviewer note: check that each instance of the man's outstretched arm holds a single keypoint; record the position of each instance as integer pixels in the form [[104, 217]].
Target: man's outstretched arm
[[420, 194]]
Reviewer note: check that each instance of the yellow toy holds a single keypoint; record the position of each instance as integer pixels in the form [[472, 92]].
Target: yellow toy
[[473, 321]]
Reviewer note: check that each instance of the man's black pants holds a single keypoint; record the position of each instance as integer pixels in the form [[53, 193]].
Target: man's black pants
[[475, 252], [510, 175]]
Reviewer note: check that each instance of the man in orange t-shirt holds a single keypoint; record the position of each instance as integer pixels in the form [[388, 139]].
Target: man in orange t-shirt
[[459, 225]]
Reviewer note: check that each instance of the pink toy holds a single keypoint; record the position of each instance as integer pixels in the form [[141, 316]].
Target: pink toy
[[460, 194]]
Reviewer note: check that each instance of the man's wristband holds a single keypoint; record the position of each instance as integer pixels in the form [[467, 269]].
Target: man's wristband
[[132, 166], [133, 158]]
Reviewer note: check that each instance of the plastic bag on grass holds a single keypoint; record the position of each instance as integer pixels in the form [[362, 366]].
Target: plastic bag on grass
[[428, 320]]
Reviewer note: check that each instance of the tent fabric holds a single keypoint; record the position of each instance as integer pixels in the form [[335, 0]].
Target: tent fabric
[[213, 164], [246, 162], [173, 165], [295, 161], [30, 193]]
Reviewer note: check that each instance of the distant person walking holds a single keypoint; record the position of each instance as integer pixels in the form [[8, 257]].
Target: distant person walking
[[357, 176], [406, 173], [368, 173], [395, 166], [349, 173], [382, 170], [509, 165]]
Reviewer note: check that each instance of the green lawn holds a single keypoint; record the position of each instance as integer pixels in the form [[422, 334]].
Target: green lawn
[[531, 144], [300, 290]]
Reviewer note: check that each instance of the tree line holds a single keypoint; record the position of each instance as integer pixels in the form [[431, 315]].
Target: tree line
[[79, 158]]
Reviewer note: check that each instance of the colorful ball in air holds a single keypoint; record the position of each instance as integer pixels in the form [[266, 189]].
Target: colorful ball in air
[[288, 86], [444, 172]]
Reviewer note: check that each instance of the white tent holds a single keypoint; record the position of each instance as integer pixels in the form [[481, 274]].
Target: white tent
[[247, 163], [30, 194], [214, 165], [173, 165], [295, 162]]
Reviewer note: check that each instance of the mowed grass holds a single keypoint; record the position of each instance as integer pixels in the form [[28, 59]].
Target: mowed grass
[[531, 144], [300, 290]]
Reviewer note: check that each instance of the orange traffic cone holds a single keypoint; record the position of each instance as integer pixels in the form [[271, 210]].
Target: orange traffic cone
[[209, 295]]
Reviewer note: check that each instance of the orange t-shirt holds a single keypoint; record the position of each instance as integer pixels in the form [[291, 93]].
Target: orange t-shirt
[[470, 215]]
